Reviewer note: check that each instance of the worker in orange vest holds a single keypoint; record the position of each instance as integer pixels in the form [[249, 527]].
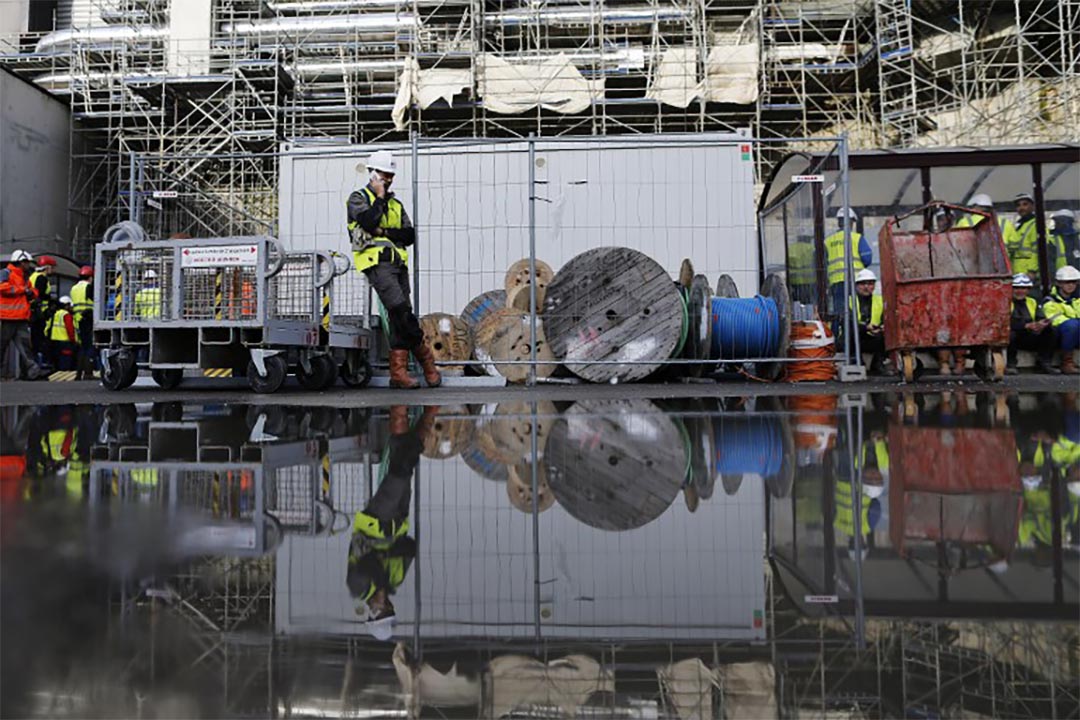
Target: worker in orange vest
[[16, 295]]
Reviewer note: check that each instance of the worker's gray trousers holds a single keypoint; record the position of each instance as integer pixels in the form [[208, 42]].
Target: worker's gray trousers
[[390, 280], [16, 356]]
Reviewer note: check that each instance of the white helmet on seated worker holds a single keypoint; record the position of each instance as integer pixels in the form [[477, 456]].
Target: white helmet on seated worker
[[1022, 280], [65, 300], [150, 275], [1063, 213], [1067, 274], [21, 256], [1024, 196], [981, 200], [383, 161], [865, 275], [850, 213]]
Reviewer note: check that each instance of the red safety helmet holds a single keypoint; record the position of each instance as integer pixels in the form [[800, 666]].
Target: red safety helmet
[[86, 271], [46, 260]]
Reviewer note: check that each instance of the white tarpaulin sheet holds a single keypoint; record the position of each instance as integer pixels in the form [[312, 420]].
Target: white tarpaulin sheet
[[730, 76], [424, 87], [553, 83]]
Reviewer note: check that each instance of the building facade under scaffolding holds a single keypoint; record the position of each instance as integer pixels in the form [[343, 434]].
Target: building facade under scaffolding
[[208, 94]]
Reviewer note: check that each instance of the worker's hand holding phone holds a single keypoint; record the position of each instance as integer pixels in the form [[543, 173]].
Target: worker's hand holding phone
[[378, 185]]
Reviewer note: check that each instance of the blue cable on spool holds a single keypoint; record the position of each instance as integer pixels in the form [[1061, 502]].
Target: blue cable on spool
[[745, 328], [748, 445]]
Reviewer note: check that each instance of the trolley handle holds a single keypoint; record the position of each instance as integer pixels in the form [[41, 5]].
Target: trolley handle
[[327, 269], [275, 256], [133, 230], [342, 263]]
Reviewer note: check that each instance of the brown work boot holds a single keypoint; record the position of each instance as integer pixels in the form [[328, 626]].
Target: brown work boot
[[427, 421], [960, 361], [423, 354], [399, 371], [399, 419], [1068, 363], [944, 358]]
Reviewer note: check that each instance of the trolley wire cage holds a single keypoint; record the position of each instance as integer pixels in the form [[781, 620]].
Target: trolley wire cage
[[242, 303]]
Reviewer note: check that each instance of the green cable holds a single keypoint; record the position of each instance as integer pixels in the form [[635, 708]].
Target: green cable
[[688, 473], [685, 331]]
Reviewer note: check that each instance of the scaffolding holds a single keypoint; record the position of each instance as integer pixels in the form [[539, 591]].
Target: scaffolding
[[205, 110]]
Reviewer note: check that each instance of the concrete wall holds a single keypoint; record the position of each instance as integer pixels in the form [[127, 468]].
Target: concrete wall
[[13, 17], [35, 149]]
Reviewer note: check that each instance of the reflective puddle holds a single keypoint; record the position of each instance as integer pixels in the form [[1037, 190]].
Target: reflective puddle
[[796, 556]]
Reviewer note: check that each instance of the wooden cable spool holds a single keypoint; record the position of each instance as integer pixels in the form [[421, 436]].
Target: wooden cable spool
[[725, 287], [518, 299], [519, 275], [698, 345], [686, 273], [449, 338], [519, 486], [506, 335], [774, 287], [615, 464], [613, 303], [483, 305], [449, 436], [510, 429], [482, 454]]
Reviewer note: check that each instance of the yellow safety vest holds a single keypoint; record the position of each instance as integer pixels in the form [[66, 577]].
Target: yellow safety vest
[[845, 512], [877, 309], [1057, 243], [366, 249], [148, 303], [1022, 246], [834, 251], [48, 283], [1038, 458], [77, 472], [1032, 306], [1065, 452], [1036, 523], [56, 330], [801, 264], [881, 454], [60, 443], [370, 527], [1056, 305], [82, 299], [145, 477]]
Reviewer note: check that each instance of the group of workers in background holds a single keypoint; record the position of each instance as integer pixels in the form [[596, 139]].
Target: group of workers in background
[[1041, 325], [40, 331]]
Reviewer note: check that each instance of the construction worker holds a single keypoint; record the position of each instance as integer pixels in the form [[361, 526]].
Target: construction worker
[[859, 253], [802, 278], [1063, 241], [980, 201], [148, 297], [16, 294], [1029, 329], [1062, 308], [82, 303], [62, 336], [1021, 238], [42, 308], [870, 319], [381, 550], [380, 231]]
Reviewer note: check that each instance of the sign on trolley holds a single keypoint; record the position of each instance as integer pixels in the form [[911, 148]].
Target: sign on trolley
[[219, 256]]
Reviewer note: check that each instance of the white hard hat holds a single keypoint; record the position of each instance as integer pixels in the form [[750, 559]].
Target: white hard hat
[[382, 629], [850, 213], [1022, 280], [873, 491], [21, 256], [65, 300], [150, 275], [383, 161], [981, 200], [999, 567], [1074, 487], [865, 275], [1031, 482], [1024, 196], [1067, 274], [1063, 212]]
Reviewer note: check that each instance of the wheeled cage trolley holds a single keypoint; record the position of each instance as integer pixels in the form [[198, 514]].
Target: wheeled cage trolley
[[946, 289], [239, 303]]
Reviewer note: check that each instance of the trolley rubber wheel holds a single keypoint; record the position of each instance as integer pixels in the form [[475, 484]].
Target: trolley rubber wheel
[[331, 371], [356, 372], [120, 371], [317, 378], [907, 366], [167, 378], [276, 370]]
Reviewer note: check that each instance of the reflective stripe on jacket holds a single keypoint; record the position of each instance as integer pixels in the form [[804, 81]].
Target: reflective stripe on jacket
[[834, 251], [14, 304], [366, 249]]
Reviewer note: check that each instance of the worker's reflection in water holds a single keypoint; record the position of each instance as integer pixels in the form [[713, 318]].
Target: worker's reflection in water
[[381, 550]]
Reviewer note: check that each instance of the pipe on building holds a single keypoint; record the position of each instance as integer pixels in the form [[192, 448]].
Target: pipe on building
[[93, 36], [348, 23], [571, 16]]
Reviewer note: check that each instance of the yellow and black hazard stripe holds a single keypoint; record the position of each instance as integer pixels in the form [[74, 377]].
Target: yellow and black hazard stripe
[[217, 372], [63, 376], [326, 476], [326, 312], [218, 296], [118, 289]]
